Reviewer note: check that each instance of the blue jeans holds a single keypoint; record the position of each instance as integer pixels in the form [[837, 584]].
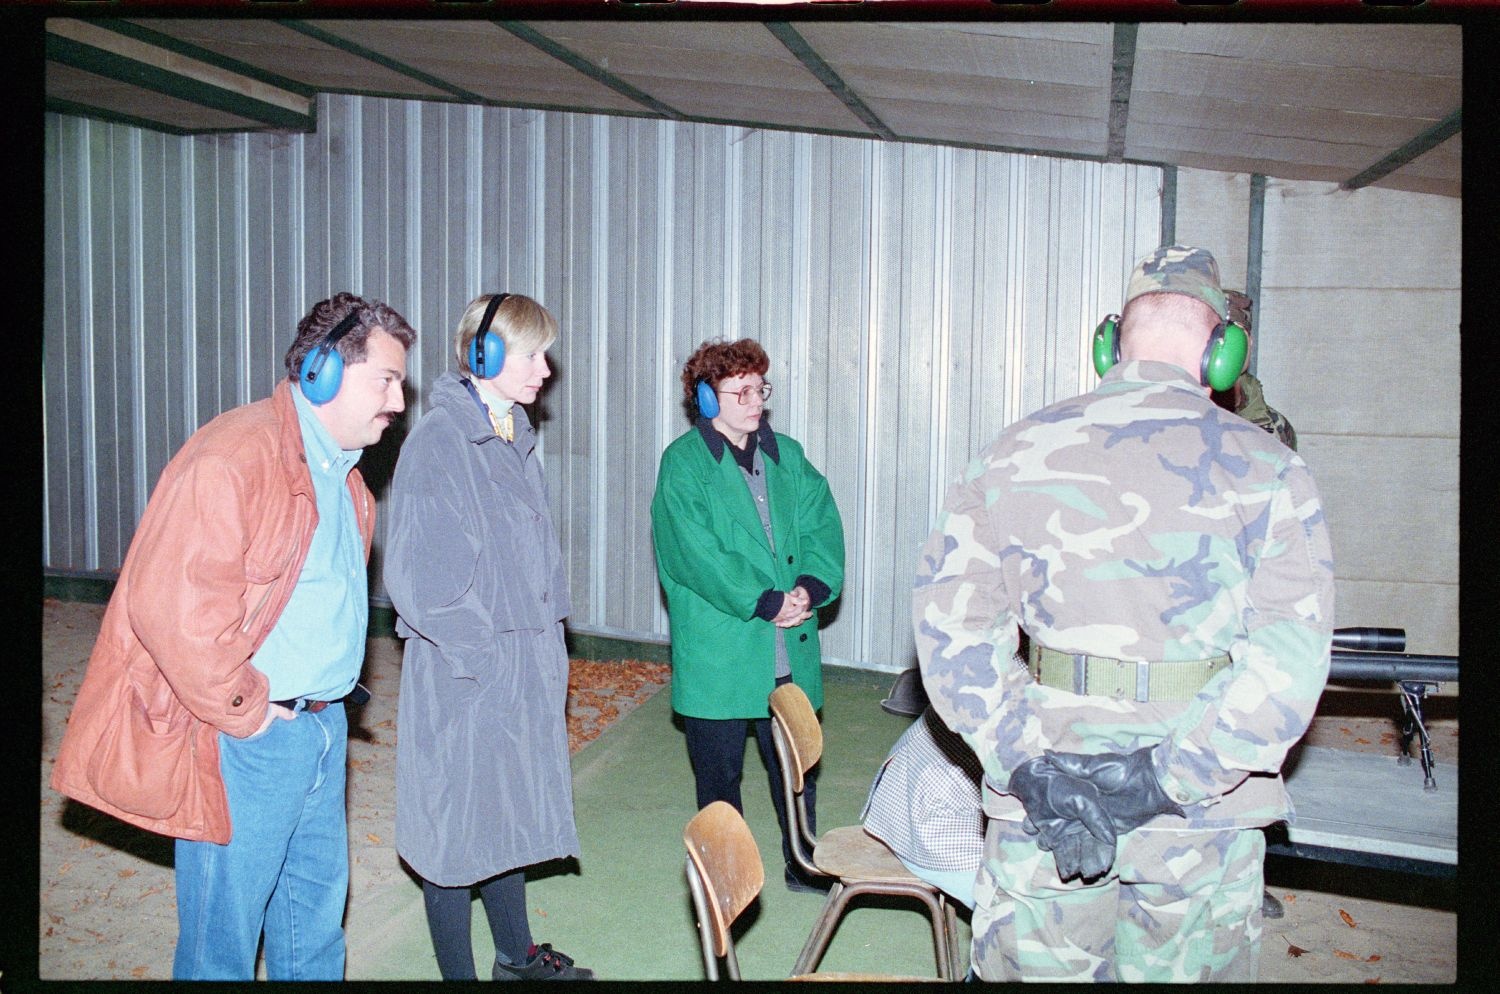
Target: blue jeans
[[285, 870]]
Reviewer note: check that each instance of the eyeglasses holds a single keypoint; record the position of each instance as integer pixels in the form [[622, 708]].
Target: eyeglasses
[[746, 392]]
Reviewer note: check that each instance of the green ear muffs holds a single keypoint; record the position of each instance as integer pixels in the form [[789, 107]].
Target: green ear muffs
[[1224, 357], [1107, 344]]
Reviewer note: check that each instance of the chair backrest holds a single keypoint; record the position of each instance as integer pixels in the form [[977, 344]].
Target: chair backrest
[[724, 873], [794, 715]]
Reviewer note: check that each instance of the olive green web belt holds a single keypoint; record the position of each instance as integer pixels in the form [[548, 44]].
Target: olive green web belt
[[1122, 679]]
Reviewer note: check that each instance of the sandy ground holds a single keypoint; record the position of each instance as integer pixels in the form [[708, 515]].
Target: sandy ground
[[108, 906]]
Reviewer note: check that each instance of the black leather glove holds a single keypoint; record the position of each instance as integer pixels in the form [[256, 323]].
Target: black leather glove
[[1127, 785], [1067, 816]]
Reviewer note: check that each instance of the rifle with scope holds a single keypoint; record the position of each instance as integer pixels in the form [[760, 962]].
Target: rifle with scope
[[1376, 655], [1370, 654]]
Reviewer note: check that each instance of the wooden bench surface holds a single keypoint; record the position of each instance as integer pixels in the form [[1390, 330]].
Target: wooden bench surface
[[1366, 802]]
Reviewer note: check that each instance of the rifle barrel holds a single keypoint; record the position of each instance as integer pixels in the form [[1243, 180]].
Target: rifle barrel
[[1392, 667]]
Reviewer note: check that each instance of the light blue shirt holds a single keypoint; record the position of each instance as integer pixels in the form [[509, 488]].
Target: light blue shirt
[[317, 646]]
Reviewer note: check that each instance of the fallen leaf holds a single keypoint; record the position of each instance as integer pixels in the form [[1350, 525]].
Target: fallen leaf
[[126, 873], [1363, 742], [1292, 950], [373, 837], [138, 972], [1373, 980], [1347, 919], [1373, 959], [1343, 955], [1290, 897]]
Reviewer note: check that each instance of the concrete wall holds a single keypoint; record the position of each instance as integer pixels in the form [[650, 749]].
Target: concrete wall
[[1357, 343]]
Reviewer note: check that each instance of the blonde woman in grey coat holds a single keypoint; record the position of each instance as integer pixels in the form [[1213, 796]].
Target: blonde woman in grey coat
[[474, 569]]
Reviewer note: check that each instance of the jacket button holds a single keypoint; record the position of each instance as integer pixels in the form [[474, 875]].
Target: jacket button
[[802, 637], [788, 559], [238, 700]]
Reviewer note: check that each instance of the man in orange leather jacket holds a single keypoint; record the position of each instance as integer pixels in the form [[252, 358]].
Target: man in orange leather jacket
[[242, 605]]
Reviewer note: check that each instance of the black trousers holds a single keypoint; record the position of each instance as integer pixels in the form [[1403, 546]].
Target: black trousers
[[448, 916], [716, 747]]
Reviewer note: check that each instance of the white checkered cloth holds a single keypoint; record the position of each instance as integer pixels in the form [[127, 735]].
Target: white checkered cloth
[[925, 802]]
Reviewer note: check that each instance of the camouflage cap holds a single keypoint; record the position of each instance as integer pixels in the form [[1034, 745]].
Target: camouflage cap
[[1239, 308], [1179, 269]]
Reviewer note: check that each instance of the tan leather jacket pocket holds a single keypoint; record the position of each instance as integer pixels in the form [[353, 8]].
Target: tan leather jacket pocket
[[142, 764]]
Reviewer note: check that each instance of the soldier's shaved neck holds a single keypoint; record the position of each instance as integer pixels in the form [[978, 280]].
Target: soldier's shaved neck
[[1167, 327]]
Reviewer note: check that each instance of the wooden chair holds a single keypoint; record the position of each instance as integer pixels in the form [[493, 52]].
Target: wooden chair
[[858, 862], [725, 874]]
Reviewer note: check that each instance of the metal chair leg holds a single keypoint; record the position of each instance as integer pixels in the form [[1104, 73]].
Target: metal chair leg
[[940, 937], [822, 933], [950, 923]]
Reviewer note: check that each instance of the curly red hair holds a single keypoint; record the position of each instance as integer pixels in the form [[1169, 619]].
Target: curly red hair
[[718, 360]]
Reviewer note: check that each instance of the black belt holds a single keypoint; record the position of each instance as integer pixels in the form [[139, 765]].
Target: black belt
[[356, 696]]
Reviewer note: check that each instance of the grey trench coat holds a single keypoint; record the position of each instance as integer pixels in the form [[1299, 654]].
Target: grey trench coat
[[474, 569]]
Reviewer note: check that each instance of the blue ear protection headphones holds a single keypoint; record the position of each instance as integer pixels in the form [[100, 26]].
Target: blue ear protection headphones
[[322, 369], [487, 349], [708, 400], [1223, 357]]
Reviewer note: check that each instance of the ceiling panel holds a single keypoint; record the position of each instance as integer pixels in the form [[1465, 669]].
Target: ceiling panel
[[1024, 126], [280, 50], [1306, 101], [1433, 172], [1433, 48], [1051, 53], [1269, 84], [481, 58], [1233, 121], [133, 105], [734, 71]]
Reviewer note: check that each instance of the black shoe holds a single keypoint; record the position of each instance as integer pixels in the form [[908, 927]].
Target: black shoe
[[1270, 907], [545, 963], [806, 883]]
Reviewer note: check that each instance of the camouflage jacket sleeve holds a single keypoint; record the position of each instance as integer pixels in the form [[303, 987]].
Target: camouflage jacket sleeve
[[966, 635], [1253, 408], [1247, 718]]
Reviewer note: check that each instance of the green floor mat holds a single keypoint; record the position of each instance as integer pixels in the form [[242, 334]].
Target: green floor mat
[[624, 909]]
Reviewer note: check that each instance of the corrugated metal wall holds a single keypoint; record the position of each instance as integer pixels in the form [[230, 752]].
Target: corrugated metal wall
[[913, 299]]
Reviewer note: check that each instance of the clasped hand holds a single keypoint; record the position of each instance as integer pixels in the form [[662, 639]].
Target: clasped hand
[[1078, 806], [796, 607]]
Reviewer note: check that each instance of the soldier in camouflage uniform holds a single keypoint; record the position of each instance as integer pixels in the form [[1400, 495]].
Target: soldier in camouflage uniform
[[1171, 565], [1246, 398]]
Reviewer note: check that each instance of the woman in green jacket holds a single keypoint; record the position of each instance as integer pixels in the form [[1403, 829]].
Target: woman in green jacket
[[748, 546]]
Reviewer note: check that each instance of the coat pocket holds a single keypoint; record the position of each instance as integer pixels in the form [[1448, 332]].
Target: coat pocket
[[142, 764]]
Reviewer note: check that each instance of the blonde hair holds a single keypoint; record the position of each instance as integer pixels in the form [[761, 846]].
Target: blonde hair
[[522, 324]]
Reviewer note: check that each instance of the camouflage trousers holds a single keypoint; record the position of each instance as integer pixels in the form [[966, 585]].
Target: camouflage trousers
[[1176, 906]]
